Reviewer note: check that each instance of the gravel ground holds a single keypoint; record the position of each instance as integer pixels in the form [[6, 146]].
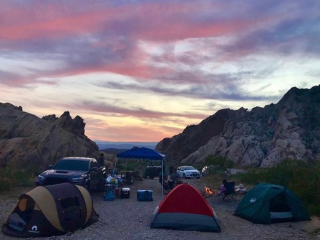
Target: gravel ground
[[130, 219]]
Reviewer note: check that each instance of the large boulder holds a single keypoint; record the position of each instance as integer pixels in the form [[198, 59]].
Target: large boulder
[[27, 141], [287, 148]]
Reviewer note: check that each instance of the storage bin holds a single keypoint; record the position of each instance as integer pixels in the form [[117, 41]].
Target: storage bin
[[125, 193], [144, 195]]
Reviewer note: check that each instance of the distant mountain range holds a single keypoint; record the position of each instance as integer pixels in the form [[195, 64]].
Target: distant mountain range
[[124, 145]]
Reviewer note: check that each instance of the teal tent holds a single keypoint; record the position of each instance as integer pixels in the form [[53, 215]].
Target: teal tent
[[268, 203]]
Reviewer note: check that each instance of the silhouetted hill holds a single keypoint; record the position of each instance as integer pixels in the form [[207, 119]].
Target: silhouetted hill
[[113, 151], [260, 137]]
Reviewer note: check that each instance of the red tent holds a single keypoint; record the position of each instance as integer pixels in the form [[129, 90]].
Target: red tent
[[184, 208]]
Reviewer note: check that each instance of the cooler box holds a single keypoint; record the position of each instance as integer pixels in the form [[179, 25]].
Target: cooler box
[[144, 195], [125, 193]]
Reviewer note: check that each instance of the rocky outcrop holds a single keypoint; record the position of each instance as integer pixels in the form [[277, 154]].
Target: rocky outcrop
[[260, 137], [27, 141], [75, 126]]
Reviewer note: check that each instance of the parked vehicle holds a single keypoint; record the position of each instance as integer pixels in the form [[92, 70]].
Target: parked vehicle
[[152, 171], [78, 170], [188, 172]]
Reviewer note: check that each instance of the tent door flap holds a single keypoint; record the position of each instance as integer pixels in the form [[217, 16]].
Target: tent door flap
[[16, 222]]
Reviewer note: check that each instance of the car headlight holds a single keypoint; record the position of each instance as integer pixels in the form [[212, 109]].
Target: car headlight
[[40, 178], [78, 179]]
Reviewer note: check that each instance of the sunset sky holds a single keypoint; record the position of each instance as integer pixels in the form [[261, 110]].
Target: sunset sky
[[144, 70]]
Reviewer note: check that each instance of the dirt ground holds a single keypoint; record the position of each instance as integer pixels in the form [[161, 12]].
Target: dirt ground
[[130, 219]]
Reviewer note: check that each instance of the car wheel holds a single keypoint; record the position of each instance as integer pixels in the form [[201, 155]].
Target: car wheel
[[184, 176]]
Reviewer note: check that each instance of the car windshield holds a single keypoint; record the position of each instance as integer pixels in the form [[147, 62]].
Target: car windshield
[[189, 168], [74, 165]]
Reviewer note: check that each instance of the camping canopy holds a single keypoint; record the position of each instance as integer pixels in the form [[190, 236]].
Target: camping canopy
[[267, 203], [142, 153], [184, 208], [51, 210]]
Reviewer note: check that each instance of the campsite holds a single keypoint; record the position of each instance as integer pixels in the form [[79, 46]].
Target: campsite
[[131, 219], [160, 120]]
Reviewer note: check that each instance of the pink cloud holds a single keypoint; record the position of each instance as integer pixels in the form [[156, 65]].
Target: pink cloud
[[50, 28], [15, 80], [150, 21]]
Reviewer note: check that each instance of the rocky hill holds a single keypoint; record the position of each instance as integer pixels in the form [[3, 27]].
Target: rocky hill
[[260, 137], [28, 141]]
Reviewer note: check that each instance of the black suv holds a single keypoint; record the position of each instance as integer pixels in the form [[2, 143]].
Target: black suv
[[152, 171], [78, 170]]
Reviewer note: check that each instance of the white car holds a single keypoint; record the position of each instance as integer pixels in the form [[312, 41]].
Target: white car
[[188, 172]]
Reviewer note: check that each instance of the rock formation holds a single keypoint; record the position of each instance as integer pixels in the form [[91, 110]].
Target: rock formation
[[74, 126], [27, 141], [260, 137]]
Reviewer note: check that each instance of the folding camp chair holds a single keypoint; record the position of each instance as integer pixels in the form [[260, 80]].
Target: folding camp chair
[[229, 194]]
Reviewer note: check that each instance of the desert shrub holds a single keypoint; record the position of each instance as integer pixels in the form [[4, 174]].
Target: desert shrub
[[302, 178], [12, 178], [23, 178], [6, 181]]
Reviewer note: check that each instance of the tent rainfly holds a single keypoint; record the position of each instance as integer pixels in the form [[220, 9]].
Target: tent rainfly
[[268, 203], [184, 208], [51, 210], [142, 153]]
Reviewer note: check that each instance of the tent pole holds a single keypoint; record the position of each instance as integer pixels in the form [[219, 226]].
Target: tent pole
[[162, 177], [114, 167], [126, 169]]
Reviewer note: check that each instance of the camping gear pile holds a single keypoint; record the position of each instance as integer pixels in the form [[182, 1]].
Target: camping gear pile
[[112, 187], [51, 210], [240, 189]]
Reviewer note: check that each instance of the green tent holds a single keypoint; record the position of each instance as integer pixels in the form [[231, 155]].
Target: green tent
[[268, 203]]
